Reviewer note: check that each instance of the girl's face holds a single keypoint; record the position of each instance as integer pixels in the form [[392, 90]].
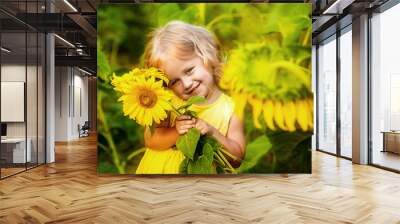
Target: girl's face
[[189, 77]]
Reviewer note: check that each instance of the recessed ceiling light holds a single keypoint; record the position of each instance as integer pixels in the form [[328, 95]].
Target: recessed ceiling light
[[64, 40], [5, 50], [84, 71], [70, 5], [337, 7]]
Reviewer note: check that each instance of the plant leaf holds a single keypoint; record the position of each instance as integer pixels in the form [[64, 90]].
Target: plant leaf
[[254, 152], [195, 100], [215, 145], [188, 103], [203, 165], [183, 168], [187, 143], [102, 64], [190, 113]]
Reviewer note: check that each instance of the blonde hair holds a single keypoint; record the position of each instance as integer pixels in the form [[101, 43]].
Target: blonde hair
[[182, 40]]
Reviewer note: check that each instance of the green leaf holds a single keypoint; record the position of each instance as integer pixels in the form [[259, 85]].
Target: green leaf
[[195, 100], [209, 140], [106, 167], [189, 102], [102, 64], [203, 165], [167, 12], [187, 143], [183, 168], [290, 153], [254, 152], [220, 170], [190, 113]]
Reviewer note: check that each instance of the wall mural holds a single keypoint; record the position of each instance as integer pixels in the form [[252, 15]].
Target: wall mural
[[204, 88]]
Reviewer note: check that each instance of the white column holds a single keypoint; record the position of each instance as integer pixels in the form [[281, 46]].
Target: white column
[[360, 90], [50, 93], [314, 87], [50, 109]]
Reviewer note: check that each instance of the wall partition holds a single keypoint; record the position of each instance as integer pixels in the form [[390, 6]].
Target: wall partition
[[13, 145], [22, 77]]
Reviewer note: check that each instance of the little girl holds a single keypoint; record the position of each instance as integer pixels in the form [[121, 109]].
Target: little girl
[[189, 56]]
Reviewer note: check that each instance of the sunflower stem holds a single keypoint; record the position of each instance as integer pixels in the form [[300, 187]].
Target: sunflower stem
[[103, 147], [230, 155], [226, 162], [176, 111], [108, 137], [135, 153], [114, 53], [223, 164], [219, 160]]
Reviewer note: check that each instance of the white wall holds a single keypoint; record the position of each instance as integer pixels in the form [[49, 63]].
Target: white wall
[[80, 110], [61, 103], [71, 94]]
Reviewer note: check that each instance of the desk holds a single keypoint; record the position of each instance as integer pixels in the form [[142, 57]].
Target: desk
[[391, 141], [15, 148]]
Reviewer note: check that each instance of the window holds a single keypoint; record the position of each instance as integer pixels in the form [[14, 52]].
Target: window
[[385, 89], [327, 96], [346, 92]]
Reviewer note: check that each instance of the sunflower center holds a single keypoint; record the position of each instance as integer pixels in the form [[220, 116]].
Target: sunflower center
[[147, 98]]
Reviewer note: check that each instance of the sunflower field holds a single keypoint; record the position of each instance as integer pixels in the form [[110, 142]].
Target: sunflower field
[[267, 72]]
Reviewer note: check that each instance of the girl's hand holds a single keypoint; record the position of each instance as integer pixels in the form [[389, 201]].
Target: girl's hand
[[204, 127], [183, 123]]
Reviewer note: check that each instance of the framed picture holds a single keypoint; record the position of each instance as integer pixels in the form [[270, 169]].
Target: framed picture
[[204, 88]]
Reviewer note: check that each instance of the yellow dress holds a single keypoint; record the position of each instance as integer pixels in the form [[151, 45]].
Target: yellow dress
[[217, 114]]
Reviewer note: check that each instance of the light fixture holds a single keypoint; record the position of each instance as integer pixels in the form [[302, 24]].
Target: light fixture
[[70, 5], [84, 71], [337, 7], [5, 49], [65, 41], [80, 51], [331, 7]]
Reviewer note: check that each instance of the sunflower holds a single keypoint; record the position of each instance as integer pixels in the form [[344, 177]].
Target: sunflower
[[153, 72], [144, 98], [120, 82]]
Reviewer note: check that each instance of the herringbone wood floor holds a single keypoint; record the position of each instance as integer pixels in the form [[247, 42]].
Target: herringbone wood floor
[[70, 191]]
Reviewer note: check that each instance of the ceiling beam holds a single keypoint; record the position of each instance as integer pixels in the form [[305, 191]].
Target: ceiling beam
[[337, 7], [78, 61], [86, 26]]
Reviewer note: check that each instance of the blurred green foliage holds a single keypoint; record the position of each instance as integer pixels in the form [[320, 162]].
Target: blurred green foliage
[[267, 51]]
